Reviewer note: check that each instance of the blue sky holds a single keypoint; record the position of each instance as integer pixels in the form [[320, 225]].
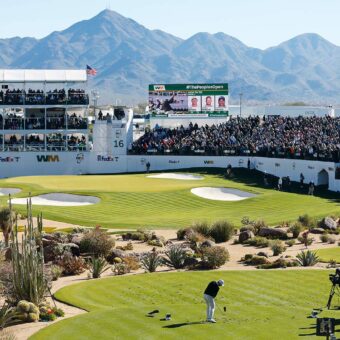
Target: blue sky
[[257, 23]]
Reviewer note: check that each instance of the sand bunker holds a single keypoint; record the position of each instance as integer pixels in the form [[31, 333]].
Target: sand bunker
[[9, 191], [61, 200], [221, 194], [187, 177]]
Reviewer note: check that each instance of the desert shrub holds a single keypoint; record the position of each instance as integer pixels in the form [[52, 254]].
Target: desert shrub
[[258, 241], [98, 266], [175, 256], [7, 316], [332, 264], [306, 220], [331, 239], [181, 233], [245, 220], [195, 237], [151, 261], [279, 263], [128, 246], [120, 269], [307, 258], [27, 311], [72, 265], [56, 272], [290, 243], [159, 242], [132, 262], [201, 228], [135, 236], [296, 229], [222, 231], [246, 257], [324, 238], [78, 230], [96, 242], [257, 260], [258, 225], [305, 240], [214, 257], [277, 247]]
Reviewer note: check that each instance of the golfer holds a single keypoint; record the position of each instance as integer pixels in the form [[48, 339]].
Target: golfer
[[209, 296]]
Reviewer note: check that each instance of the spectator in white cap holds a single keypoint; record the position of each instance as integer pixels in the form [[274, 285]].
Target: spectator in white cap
[[209, 296]]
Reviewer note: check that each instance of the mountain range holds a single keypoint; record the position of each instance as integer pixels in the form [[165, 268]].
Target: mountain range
[[128, 57]]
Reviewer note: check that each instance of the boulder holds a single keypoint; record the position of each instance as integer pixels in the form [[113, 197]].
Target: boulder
[[328, 223], [190, 262], [115, 253], [48, 241], [208, 243], [245, 235], [317, 231], [273, 233], [57, 249], [74, 248], [262, 253], [247, 228], [76, 238]]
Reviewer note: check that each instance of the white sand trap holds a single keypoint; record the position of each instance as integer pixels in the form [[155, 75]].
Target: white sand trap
[[187, 177], [60, 200], [9, 191], [221, 194]]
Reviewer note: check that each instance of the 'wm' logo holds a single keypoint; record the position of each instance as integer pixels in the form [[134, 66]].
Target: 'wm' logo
[[208, 162], [48, 158]]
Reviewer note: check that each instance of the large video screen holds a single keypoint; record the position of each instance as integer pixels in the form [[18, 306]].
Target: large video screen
[[179, 99]]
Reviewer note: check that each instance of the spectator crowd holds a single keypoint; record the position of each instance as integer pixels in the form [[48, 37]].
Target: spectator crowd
[[283, 137], [39, 97]]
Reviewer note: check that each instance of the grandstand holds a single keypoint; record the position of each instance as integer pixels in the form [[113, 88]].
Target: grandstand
[[45, 129]]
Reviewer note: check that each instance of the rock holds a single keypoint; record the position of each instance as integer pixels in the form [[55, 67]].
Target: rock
[[114, 253], [190, 262], [328, 223], [245, 235], [208, 243], [317, 231], [76, 238], [247, 228], [47, 241], [262, 253], [57, 249], [274, 233], [74, 248]]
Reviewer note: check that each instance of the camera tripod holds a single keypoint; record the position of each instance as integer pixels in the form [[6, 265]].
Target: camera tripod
[[335, 290]]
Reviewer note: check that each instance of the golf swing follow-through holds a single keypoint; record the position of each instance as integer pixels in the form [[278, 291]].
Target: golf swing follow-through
[[209, 296]]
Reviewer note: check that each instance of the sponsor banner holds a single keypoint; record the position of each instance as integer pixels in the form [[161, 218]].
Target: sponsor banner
[[101, 158], [208, 100], [9, 159], [48, 158]]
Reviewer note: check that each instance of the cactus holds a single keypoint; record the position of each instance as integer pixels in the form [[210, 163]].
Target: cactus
[[29, 280]]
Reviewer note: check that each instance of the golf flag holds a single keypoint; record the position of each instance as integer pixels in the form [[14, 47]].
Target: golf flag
[[91, 71]]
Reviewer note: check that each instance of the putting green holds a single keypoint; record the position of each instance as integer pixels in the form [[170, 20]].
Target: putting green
[[131, 201], [329, 254], [260, 305]]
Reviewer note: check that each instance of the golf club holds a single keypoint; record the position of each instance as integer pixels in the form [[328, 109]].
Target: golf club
[[224, 308]]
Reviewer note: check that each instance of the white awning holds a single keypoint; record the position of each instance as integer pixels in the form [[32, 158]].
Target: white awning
[[40, 76]]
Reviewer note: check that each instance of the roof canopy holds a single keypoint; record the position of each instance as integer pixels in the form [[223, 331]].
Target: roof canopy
[[41, 76]]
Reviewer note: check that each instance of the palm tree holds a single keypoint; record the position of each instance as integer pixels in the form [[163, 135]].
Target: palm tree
[[5, 223]]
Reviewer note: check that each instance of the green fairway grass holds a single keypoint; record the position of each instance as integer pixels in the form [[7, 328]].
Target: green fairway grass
[[260, 305], [329, 254], [134, 200]]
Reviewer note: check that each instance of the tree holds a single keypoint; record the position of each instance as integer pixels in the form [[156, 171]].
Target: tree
[[7, 217]]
